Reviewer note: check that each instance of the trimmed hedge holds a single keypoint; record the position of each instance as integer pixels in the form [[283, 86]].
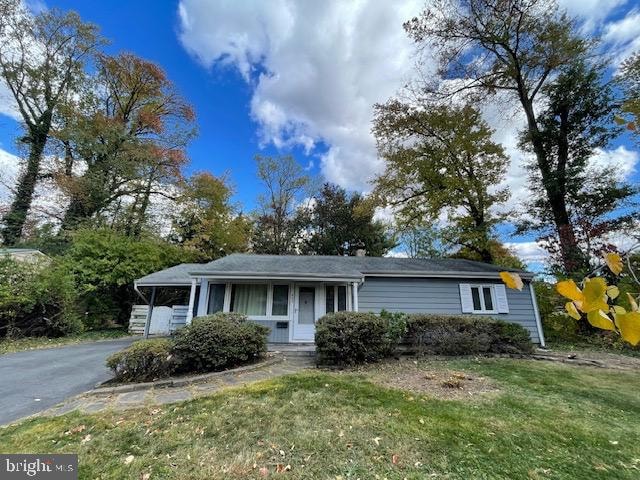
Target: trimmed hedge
[[465, 335], [143, 361], [219, 341], [349, 338]]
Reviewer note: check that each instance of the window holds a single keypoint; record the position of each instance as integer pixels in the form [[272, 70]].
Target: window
[[342, 298], [216, 298], [249, 299], [336, 298], [330, 299], [280, 300], [483, 299]]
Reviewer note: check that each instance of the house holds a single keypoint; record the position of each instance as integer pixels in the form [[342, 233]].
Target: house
[[23, 254], [289, 293]]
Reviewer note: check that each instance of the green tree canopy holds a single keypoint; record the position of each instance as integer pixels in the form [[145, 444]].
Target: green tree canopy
[[337, 223], [207, 221], [441, 161]]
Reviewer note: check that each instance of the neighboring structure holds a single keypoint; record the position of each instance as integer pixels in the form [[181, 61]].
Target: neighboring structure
[[290, 293], [23, 254]]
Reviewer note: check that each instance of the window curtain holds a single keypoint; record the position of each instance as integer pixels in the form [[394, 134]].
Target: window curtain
[[250, 299]]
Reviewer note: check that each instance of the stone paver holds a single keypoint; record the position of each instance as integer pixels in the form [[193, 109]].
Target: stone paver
[[93, 403]]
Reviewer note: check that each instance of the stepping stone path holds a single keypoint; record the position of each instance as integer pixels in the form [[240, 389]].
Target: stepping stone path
[[96, 402]]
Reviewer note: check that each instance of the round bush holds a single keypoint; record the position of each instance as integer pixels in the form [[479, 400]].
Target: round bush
[[143, 361], [350, 338], [219, 341]]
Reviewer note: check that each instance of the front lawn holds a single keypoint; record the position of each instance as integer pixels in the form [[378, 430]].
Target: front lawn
[[32, 343], [536, 420]]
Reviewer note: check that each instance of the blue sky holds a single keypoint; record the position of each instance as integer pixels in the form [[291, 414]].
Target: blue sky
[[301, 77]]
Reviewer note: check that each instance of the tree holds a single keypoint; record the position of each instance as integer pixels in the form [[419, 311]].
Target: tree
[[629, 80], [208, 222], [42, 60], [104, 264], [500, 255], [422, 242], [341, 224], [516, 47], [284, 180], [576, 121], [441, 161], [127, 134]]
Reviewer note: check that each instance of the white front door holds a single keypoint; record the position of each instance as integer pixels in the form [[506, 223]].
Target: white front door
[[305, 314]]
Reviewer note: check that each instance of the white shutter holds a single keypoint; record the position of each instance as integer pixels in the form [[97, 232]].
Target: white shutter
[[465, 298], [502, 305]]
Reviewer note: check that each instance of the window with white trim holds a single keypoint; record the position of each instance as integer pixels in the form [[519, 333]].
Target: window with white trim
[[263, 300], [483, 298], [336, 298]]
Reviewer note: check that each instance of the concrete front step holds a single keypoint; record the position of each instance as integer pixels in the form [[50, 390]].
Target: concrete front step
[[293, 349]]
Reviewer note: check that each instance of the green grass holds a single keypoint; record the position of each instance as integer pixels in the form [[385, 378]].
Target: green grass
[[32, 343], [548, 421], [593, 344]]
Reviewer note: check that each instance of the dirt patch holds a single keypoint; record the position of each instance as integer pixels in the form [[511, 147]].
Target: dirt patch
[[422, 379]]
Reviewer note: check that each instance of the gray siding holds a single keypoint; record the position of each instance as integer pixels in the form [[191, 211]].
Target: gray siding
[[276, 335], [433, 295]]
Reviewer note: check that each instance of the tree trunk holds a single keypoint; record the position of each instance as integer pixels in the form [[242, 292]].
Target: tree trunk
[[572, 257], [16, 217]]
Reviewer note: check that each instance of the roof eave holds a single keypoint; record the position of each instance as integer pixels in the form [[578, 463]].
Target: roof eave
[[452, 274]]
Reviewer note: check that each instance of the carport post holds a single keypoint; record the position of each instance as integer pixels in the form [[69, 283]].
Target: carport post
[[147, 322]]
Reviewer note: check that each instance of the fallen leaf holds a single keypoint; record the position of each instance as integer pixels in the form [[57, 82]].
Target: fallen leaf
[[264, 471], [129, 459], [86, 439], [377, 440], [395, 459], [145, 476]]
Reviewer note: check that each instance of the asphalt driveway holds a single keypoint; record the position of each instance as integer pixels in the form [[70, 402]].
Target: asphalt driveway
[[35, 380]]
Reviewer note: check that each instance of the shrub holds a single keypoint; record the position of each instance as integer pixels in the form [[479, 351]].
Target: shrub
[[219, 341], [104, 264], [143, 361], [396, 328], [464, 335], [37, 298], [349, 338]]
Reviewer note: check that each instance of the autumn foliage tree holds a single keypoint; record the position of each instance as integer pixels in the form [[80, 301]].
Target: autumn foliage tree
[[42, 61], [126, 135]]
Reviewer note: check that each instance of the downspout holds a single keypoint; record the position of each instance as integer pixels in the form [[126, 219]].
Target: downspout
[[537, 314]]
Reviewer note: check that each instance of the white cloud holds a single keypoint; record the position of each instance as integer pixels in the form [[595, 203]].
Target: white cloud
[[592, 12], [316, 68], [622, 37], [9, 166], [528, 252], [624, 161]]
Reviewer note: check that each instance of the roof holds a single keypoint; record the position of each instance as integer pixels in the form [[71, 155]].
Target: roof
[[177, 275], [243, 265]]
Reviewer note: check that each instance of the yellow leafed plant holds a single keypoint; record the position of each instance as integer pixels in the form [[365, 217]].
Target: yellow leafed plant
[[593, 300]]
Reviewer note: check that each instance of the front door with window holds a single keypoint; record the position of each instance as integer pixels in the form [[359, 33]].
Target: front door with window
[[305, 316]]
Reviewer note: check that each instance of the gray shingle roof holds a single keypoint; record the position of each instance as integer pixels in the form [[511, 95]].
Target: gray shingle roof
[[319, 266], [178, 274]]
